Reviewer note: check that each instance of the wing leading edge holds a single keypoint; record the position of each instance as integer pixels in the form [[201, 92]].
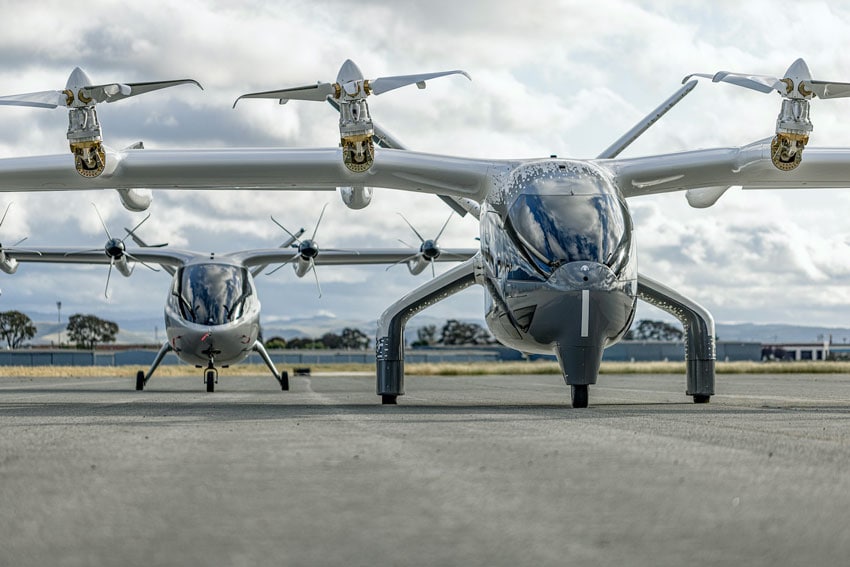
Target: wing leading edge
[[255, 168]]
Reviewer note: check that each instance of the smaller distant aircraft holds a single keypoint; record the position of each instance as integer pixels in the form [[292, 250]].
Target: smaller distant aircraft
[[212, 313]]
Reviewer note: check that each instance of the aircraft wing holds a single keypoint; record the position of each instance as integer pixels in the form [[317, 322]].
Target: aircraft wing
[[748, 166], [251, 258], [255, 168], [79, 255]]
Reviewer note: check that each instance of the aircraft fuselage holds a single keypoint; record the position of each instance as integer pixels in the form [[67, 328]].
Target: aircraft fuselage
[[212, 313], [560, 264]]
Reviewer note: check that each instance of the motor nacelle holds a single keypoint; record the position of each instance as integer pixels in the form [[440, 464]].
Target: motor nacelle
[[7, 264], [792, 134], [356, 197], [135, 200]]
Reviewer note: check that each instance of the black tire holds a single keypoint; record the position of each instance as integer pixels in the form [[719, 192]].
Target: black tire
[[209, 378], [701, 398], [579, 395], [284, 381], [389, 399], [140, 380]]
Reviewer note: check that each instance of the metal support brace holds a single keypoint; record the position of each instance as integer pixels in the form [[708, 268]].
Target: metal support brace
[[259, 348], [700, 353], [166, 347], [389, 349]]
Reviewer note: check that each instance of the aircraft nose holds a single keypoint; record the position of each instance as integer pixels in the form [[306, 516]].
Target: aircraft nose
[[582, 275]]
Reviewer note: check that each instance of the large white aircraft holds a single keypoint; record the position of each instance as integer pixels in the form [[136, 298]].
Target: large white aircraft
[[212, 312], [557, 251]]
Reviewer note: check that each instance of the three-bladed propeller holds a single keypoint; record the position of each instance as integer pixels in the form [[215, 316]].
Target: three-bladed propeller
[[308, 250], [80, 97], [350, 91], [429, 250], [797, 89], [116, 251]]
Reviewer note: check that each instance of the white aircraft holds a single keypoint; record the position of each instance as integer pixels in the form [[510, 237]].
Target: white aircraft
[[212, 313], [557, 252]]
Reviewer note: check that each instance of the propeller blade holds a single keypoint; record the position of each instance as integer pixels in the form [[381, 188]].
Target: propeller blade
[[108, 275], [117, 91], [133, 258], [285, 230], [349, 250], [416, 232], [761, 83], [445, 224], [825, 89], [318, 92], [408, 259], [433, 272], [42, 99], [318, 222], [131, 231], [316, 276], [384, 84], [405, 243], [282, 265], [103, 224], [6, 212]]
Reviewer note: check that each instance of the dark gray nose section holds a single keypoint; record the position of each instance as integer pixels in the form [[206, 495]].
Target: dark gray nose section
[[585, 308]]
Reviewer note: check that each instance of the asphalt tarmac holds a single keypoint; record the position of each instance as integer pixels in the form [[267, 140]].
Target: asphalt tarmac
[[489, 470]]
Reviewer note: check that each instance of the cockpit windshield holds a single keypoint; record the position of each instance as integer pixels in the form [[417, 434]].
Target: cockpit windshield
[[554, 229], [211, 294]]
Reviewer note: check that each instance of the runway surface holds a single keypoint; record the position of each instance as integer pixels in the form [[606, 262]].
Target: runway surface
[[489, 470]]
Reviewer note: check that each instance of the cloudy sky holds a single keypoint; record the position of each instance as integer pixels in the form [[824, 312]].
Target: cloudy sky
[[563, 78]]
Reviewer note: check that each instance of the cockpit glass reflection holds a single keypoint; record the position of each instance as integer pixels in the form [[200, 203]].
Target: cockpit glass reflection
[[211, 294], [556, 229]]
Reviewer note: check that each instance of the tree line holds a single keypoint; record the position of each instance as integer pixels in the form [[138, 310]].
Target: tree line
[[85, 331]]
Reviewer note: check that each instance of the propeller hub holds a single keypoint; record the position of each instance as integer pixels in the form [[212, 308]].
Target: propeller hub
[[114, 248], [429, 250], [308, 249]]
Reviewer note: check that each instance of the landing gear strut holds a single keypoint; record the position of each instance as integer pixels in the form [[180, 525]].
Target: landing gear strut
[[579, 395]]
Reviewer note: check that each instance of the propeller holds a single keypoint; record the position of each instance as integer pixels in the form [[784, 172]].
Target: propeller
[[797, 89], [429, 250], [116, 250], [350, 91], [81, 96], [308, 251], [7, 264]]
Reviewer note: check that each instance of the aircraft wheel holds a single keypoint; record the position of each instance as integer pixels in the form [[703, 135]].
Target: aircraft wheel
[[579, 395], [701, 398], [209, 378], [284, 380], [389, 399], [140, 380]]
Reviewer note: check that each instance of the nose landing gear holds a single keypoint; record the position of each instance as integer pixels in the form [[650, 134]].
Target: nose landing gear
[[211, 377]]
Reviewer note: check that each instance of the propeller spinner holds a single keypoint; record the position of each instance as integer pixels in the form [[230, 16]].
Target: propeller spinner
[[81, 96], [350, 91], [793, 124]]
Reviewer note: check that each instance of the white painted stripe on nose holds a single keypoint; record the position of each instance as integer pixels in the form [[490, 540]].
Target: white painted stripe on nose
[[585, 312]]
